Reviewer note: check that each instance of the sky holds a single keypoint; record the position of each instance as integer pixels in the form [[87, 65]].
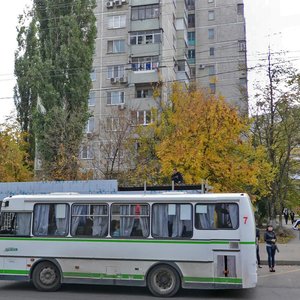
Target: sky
[[268, 22]]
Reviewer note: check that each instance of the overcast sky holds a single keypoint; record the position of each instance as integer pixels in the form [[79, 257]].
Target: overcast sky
[[274, 22]]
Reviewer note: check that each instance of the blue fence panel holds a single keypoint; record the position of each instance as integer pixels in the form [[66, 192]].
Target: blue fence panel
[[46, 187]]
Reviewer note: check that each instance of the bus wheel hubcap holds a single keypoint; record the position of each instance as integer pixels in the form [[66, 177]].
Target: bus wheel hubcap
[[164, 280], [47, 276]]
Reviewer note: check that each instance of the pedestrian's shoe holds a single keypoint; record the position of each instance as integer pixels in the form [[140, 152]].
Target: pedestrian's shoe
[[260, 266], [271, 270]]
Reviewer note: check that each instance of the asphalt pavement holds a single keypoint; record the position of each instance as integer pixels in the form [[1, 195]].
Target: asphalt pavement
[[289, 253]]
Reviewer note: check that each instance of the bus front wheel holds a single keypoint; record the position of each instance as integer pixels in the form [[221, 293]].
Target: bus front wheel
[[163, 281], [46, 277]]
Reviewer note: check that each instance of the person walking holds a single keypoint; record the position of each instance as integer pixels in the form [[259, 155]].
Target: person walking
[[286, 215], [292, 215], [270, 239], [257, 247]]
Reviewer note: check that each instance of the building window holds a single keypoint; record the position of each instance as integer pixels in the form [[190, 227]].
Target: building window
[[90, 126], [210, 1], [243, 81], [145, 37], [240, 9], [143, 92], [86, 152], [92, 98], [191, 20], [181, 65], [212, 87], [191, 38], [145, 12], [141, 117], [115, 98], [93, 75], [211, 33], [191, 56], [116, 22], [191, 4], [211, 15], [117, 46], [193, 72], [242, 46], [115, 71], [112, 124], [211, 51], [211, 70], [144, 63]]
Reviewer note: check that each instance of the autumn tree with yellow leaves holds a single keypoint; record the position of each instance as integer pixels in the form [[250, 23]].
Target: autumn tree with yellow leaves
[[206, 140], [14, 164]]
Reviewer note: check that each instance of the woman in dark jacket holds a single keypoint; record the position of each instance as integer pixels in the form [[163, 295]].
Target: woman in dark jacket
[[270, 239]]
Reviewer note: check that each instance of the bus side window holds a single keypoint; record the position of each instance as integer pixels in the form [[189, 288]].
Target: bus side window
[[216, 216], [172, 220], [130, 220], [89, 220], [50, 219], [17, 224]]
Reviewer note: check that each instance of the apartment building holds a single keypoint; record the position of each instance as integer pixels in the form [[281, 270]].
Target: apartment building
[[147, 43]]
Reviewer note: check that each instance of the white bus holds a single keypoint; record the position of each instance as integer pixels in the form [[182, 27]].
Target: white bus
[[162, 241]]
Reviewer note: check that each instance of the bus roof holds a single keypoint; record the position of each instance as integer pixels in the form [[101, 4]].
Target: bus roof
[[75, 197], [26, 202]]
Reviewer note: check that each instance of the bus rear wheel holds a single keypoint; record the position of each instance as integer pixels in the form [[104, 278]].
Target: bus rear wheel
[[163, 281], [46, 277]]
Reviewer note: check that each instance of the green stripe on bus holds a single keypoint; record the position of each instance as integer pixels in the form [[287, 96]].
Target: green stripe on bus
[[213, 280], [149, 241], [104, 276], [14, 272]]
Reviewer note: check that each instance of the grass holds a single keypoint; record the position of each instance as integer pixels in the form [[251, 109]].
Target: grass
[[283, 235]]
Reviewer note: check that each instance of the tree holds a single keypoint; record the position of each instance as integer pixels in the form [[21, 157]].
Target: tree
[[26, 71], [56, 52], [14, 162], [108, 158], [276, 127], [207, 140]]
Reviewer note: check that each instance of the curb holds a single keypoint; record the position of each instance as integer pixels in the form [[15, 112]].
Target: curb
[[282, 262]]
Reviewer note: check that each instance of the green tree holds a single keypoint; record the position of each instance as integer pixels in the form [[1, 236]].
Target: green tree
[[56, 52], [276, 127], [26, 71]]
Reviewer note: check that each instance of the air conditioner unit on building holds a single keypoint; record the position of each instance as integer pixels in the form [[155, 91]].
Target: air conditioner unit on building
[[109, 4], [113, 80], [124, 1], [123, 80], [121, 106], [118, 2], [201, 67]]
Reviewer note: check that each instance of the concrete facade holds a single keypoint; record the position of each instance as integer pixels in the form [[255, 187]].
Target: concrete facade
[[147, 43]]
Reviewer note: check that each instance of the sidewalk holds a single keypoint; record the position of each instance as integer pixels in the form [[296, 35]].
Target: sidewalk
[[289, 254]]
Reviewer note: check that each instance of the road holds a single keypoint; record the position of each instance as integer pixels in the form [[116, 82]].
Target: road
[[283, 284]]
